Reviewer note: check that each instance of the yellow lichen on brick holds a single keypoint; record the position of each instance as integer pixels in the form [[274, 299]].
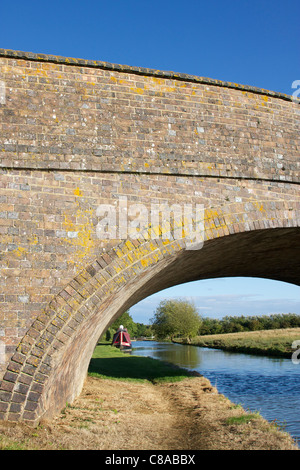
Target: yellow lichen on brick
[[80, 234], [129, 245], [119, 253], [140, 91], [20, 251], [77, 192]]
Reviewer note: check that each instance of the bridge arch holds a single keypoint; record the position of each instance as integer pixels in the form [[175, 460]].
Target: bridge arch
[[50, 363]]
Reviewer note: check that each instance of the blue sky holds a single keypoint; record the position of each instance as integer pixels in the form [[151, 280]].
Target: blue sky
[[253, 43], [216, 298], [249, 42]]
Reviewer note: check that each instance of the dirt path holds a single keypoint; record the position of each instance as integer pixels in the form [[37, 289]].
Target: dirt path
[[115, 415]]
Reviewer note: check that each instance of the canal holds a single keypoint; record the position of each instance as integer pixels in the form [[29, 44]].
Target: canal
[[270, 386]]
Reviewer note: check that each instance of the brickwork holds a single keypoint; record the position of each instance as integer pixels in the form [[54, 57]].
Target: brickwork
[[77, 134]]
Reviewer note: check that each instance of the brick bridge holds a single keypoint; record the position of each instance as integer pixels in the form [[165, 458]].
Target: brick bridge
[[79, 134]]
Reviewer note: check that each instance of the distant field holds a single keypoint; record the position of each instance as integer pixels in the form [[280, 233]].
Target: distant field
[[265, 342]]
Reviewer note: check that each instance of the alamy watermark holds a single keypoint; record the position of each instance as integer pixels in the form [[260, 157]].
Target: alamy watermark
[[296, 86], [2, 92], [2, 352], [296, 354], [156, 221]]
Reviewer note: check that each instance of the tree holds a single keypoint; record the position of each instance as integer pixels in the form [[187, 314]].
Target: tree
[[187, 319], [162, 321], [176, 318], [143, 330], [126, 320]]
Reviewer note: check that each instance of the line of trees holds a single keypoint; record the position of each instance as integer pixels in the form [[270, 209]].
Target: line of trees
[[180, 318], [211, 326]]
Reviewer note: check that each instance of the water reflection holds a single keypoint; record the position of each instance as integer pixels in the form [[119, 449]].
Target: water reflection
[[185, 357], [268, 385]]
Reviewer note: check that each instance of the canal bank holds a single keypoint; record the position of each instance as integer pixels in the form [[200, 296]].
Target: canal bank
[[118, 414], [268, 385], [270, 343], [121, 415]]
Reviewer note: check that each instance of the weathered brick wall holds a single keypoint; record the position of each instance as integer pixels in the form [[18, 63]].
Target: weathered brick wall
[[77, 134], [91, 118]]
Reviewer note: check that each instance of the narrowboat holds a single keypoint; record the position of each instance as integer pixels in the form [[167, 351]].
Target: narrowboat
[[121, 339]]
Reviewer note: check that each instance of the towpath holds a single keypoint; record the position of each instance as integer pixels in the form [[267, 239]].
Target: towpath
[[116, 415]]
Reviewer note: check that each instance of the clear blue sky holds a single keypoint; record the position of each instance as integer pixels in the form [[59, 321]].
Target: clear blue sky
[[249, 42], [253, 42], [216, 298]]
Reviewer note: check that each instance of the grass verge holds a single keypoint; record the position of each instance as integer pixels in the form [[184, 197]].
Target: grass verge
[[110, 363], [243, 419], [275, 343]]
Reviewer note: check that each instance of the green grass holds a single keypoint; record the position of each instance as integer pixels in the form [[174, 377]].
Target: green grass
[[276, 343], [108, 362], [243, 419], [7, 444]]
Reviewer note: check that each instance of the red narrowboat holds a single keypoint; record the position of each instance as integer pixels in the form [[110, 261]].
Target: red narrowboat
[[122, 339]]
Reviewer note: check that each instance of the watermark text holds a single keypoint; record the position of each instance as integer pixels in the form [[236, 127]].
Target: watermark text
[[296, 354], [156, 221], [296, 86], [2, 352], [2, 92]]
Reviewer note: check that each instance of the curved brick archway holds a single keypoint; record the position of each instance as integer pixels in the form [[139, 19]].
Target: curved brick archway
[[50, 364], [76, 134]]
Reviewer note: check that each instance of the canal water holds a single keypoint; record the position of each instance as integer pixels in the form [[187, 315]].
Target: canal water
[[270, 386]]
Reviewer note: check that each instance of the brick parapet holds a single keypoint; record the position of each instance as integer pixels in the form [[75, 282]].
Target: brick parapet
[[80, 116], [71, 61]]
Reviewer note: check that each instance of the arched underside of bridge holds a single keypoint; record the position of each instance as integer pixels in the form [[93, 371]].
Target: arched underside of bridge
[[50, 364]]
